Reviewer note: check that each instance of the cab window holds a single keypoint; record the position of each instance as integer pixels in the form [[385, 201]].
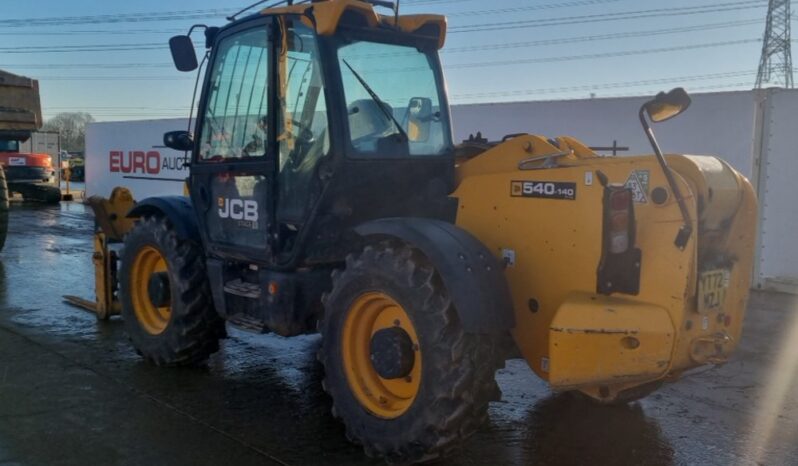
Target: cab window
[[236, 117], [392, 100], [9, 146], [303, 138]]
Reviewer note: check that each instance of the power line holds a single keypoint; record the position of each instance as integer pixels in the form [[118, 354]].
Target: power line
[[514, 62], [526, 44], [61, 66], [519, 9], [624, 53], [710, 87], [83, 49], [106, 107], [605, 17], [93, 31], [154, 16], [200, 14], [176, 31], [433, 2], [592, 38], [592, 87], [114, 78], [68, 47], [116, 18], [484, 27]]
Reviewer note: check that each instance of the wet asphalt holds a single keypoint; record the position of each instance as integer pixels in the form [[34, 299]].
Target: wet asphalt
[[73, 392]]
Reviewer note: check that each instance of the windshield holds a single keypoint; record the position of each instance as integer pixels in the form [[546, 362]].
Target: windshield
[[9, 146], [393, 100]]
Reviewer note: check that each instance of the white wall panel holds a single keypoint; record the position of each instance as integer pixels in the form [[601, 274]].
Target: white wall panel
[[114, 152]]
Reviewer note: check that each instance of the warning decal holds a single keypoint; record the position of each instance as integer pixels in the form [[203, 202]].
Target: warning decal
[[638, 182]]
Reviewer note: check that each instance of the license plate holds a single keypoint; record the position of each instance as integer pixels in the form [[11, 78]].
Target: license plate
[[712, 288]]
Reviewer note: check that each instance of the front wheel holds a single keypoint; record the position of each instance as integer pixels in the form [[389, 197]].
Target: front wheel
[[166, 301], [407, 381]]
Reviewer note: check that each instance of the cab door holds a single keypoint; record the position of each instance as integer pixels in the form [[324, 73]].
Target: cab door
[[233, 172]]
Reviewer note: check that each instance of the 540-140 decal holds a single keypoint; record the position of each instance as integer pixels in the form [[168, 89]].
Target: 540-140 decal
[[544, 189]]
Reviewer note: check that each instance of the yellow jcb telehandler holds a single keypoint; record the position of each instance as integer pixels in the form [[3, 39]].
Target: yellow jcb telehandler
[[326, 193]]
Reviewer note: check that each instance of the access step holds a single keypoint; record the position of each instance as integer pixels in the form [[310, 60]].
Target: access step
[[241, 288]]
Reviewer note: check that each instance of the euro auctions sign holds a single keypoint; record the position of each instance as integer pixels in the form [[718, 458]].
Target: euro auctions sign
[[132, 154]]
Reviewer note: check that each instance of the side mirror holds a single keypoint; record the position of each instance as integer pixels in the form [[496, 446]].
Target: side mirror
[[419, 119], [183, 54], [178, 140], [666, 106]]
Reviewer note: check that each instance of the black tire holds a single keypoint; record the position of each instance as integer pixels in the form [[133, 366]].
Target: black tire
[[457, 372], [3, 208], [194, 328], [38, 192]]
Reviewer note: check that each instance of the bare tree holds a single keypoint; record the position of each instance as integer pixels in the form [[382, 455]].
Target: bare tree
[[72, 127]]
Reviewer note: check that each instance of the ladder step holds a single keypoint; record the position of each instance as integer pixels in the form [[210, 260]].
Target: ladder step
[[241, 288], [246, 323]]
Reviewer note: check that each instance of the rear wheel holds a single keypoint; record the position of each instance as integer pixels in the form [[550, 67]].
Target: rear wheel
[[166, 300], [407, 381], [3, 208]]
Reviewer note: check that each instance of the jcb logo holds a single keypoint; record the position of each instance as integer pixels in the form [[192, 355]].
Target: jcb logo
[[238, 209]]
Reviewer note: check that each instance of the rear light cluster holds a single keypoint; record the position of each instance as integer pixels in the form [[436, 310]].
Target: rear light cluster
[[620, 220], [620, 266]]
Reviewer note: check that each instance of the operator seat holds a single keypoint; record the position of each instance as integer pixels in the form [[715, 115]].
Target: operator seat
[[367, 124]]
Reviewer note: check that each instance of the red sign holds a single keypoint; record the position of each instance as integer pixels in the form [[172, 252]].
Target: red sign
[[145, 163]]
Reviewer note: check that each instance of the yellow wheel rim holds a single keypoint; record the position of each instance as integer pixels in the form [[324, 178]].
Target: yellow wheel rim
[[147, 262], [384, 398]]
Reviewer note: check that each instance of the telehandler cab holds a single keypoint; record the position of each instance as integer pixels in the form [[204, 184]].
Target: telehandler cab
[[325, 193]]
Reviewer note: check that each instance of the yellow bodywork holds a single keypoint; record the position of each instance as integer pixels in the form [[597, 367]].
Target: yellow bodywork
[[327, 16], [572, 336]]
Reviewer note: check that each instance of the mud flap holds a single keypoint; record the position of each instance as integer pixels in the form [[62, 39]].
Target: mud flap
[[471, 273], [606, 340]]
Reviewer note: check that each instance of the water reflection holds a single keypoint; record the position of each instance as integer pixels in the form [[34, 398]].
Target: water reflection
[[567, 429], [3, 286]]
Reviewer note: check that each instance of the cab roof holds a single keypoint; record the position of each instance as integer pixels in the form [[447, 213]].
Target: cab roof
[[329, 14]]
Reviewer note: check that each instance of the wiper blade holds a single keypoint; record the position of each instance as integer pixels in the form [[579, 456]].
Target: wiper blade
[[377, 99]]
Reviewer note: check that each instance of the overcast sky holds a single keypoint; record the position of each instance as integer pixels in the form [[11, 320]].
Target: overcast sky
[[110, 58]]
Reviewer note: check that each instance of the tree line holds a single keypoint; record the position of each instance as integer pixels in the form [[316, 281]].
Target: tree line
[[72, 128]]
